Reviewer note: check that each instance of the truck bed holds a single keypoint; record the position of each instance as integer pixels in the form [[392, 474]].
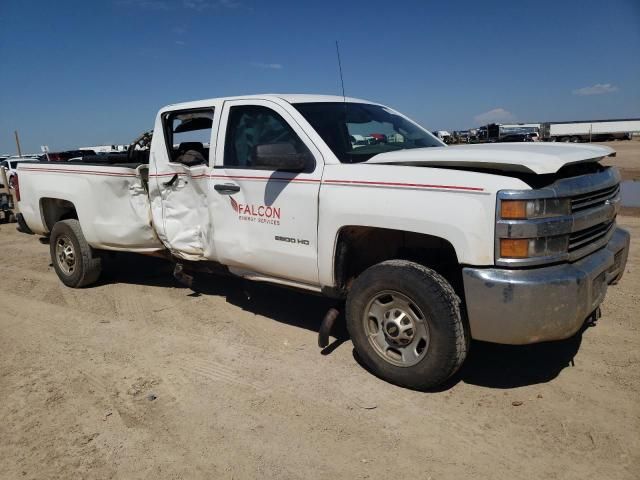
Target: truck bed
[[109, 199]]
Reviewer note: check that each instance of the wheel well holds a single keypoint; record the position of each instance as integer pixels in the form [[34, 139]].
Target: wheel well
[[54, 209], [359, 248]]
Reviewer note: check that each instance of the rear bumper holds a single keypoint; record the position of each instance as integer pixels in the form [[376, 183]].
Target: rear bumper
[[540, 304]]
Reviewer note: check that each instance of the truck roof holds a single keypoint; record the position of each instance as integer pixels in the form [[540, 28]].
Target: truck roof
[[287, 97]]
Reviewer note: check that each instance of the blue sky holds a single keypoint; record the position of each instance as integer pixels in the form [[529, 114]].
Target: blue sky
[[76, 73]]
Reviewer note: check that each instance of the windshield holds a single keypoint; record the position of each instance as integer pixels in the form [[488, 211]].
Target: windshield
[[355, 132]]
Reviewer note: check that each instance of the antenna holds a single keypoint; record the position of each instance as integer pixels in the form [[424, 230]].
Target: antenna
[[340, 69], [344, 98]]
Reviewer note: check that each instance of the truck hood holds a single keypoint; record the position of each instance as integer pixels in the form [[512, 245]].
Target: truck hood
[[534, 157]]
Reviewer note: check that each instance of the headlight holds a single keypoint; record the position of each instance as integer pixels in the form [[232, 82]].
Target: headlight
[[535, 208], [533, 247]]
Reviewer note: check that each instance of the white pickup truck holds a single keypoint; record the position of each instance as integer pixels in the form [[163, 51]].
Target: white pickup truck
[[430, 245]]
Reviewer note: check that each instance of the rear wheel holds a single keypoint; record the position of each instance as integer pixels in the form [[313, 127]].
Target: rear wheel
[[405, 323], [73, 259]]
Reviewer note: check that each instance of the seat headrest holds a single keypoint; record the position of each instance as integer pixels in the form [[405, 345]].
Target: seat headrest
[[184, 146]]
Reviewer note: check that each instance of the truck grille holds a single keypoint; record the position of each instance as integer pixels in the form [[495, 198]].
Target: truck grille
[[593, 199], [583, 238]]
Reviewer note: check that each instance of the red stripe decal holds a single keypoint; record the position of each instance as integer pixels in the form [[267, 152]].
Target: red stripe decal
[[195, 177], [353, 182], [86, 172], [247, 177], [284, 179], [398, 184]]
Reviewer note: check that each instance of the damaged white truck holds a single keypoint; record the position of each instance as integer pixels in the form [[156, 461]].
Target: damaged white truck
[[430, 245]]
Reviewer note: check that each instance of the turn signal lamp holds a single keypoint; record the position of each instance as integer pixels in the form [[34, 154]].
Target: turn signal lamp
[[514, 247], [536, 208]]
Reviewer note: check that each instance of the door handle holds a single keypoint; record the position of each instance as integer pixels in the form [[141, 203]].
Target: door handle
[[171, 182], [226, 188]]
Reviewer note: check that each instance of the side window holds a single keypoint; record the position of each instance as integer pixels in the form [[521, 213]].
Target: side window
[[252, 125], [188, 133]]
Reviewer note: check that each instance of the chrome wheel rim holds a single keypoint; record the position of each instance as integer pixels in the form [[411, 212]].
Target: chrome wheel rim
[[65, 255], [396, 328]]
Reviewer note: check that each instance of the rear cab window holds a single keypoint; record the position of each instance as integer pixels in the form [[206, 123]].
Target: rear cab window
[[188, 136]]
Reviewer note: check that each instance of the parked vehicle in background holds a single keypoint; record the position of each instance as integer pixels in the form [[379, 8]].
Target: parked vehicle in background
[[461, 136], [106, 149], [444, 136], [475, 135], [6, 198], [8, 180], [519, 137], [495, 132], [429, 245], [67, 155], [11, 165], [590, 130], [378, 137]]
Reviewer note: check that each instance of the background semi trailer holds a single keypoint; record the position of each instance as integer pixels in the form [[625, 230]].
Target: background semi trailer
[[496, 131], [589, 130]]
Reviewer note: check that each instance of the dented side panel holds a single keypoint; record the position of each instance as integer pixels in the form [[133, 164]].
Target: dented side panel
[[180, 198], [111, 203]]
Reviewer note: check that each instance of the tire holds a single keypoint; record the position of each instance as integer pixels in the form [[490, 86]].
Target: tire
[[75, 262], [420, 354]]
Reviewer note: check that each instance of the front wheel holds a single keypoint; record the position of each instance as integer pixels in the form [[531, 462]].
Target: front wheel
[[406, 325], [73, 259]]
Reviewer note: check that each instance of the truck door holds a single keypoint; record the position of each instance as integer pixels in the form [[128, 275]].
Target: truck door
[[182, 148], [266, 218]]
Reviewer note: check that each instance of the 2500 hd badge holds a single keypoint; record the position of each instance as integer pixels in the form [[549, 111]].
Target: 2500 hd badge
[[300, 241]]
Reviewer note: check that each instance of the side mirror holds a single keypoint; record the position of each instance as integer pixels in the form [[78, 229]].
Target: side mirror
[[280, 156]]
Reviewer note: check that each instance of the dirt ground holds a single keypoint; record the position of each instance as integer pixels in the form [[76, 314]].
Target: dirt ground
[[139, 377], [627, 157]]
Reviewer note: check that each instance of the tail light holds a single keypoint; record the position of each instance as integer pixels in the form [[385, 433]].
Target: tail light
[[15, 184]]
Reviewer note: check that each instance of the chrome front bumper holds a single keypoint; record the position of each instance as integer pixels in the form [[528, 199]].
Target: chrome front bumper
[[539, 304]]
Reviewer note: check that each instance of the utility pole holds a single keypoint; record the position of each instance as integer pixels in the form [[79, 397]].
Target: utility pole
[[18, 143]]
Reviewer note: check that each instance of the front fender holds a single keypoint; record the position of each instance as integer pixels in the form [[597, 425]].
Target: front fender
[[457, 206]]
